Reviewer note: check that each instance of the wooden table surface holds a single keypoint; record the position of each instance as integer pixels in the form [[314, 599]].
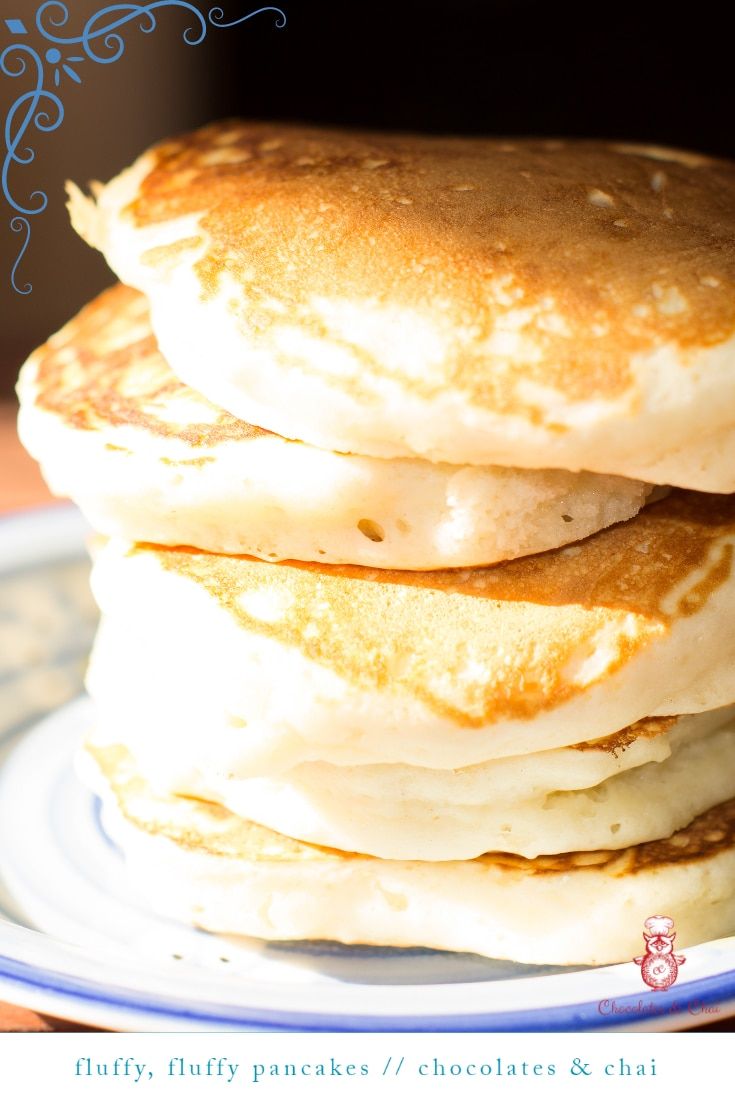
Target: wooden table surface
[[21, 487]]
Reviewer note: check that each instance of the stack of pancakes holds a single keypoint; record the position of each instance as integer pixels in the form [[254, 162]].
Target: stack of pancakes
[[415, 459]]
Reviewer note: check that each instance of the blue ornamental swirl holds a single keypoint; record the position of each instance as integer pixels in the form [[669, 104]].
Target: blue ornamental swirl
[[100, 40]]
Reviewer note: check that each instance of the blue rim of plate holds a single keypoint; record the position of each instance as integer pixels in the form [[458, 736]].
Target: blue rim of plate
[[105, 1003], [585, 1016]]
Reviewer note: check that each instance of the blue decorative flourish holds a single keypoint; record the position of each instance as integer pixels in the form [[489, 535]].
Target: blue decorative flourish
[[100, 41], [17, 225]]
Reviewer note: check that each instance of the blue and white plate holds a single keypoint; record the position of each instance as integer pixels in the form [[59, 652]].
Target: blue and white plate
[[76, 941]]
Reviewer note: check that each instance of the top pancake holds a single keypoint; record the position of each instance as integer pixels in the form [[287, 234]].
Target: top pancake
[[528, 303]]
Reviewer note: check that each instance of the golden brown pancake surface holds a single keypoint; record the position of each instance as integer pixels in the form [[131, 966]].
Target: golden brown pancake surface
[[614, 249], [488, 643], [652, 727], [104, 370]]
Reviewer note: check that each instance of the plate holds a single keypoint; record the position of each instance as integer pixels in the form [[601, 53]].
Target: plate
[[77, 941]]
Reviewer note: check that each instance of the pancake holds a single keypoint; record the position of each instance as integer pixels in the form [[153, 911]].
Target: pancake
[[201, 864], [529, 303], [324, 805], [211, 767], [301, 662], [147, 458]]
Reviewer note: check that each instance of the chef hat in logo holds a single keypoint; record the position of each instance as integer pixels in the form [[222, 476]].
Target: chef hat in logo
[[659, 924]]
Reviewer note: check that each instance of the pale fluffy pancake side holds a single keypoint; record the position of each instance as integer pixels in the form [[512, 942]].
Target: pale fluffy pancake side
[[324, 805], [528, 303], [147, 458], [198, 863], [302, 661], [211, 767]]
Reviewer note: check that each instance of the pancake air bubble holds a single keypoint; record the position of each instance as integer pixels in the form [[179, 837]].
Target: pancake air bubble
[[372, 530]]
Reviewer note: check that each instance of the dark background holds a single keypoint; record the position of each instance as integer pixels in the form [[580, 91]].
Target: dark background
[[637, 71]]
